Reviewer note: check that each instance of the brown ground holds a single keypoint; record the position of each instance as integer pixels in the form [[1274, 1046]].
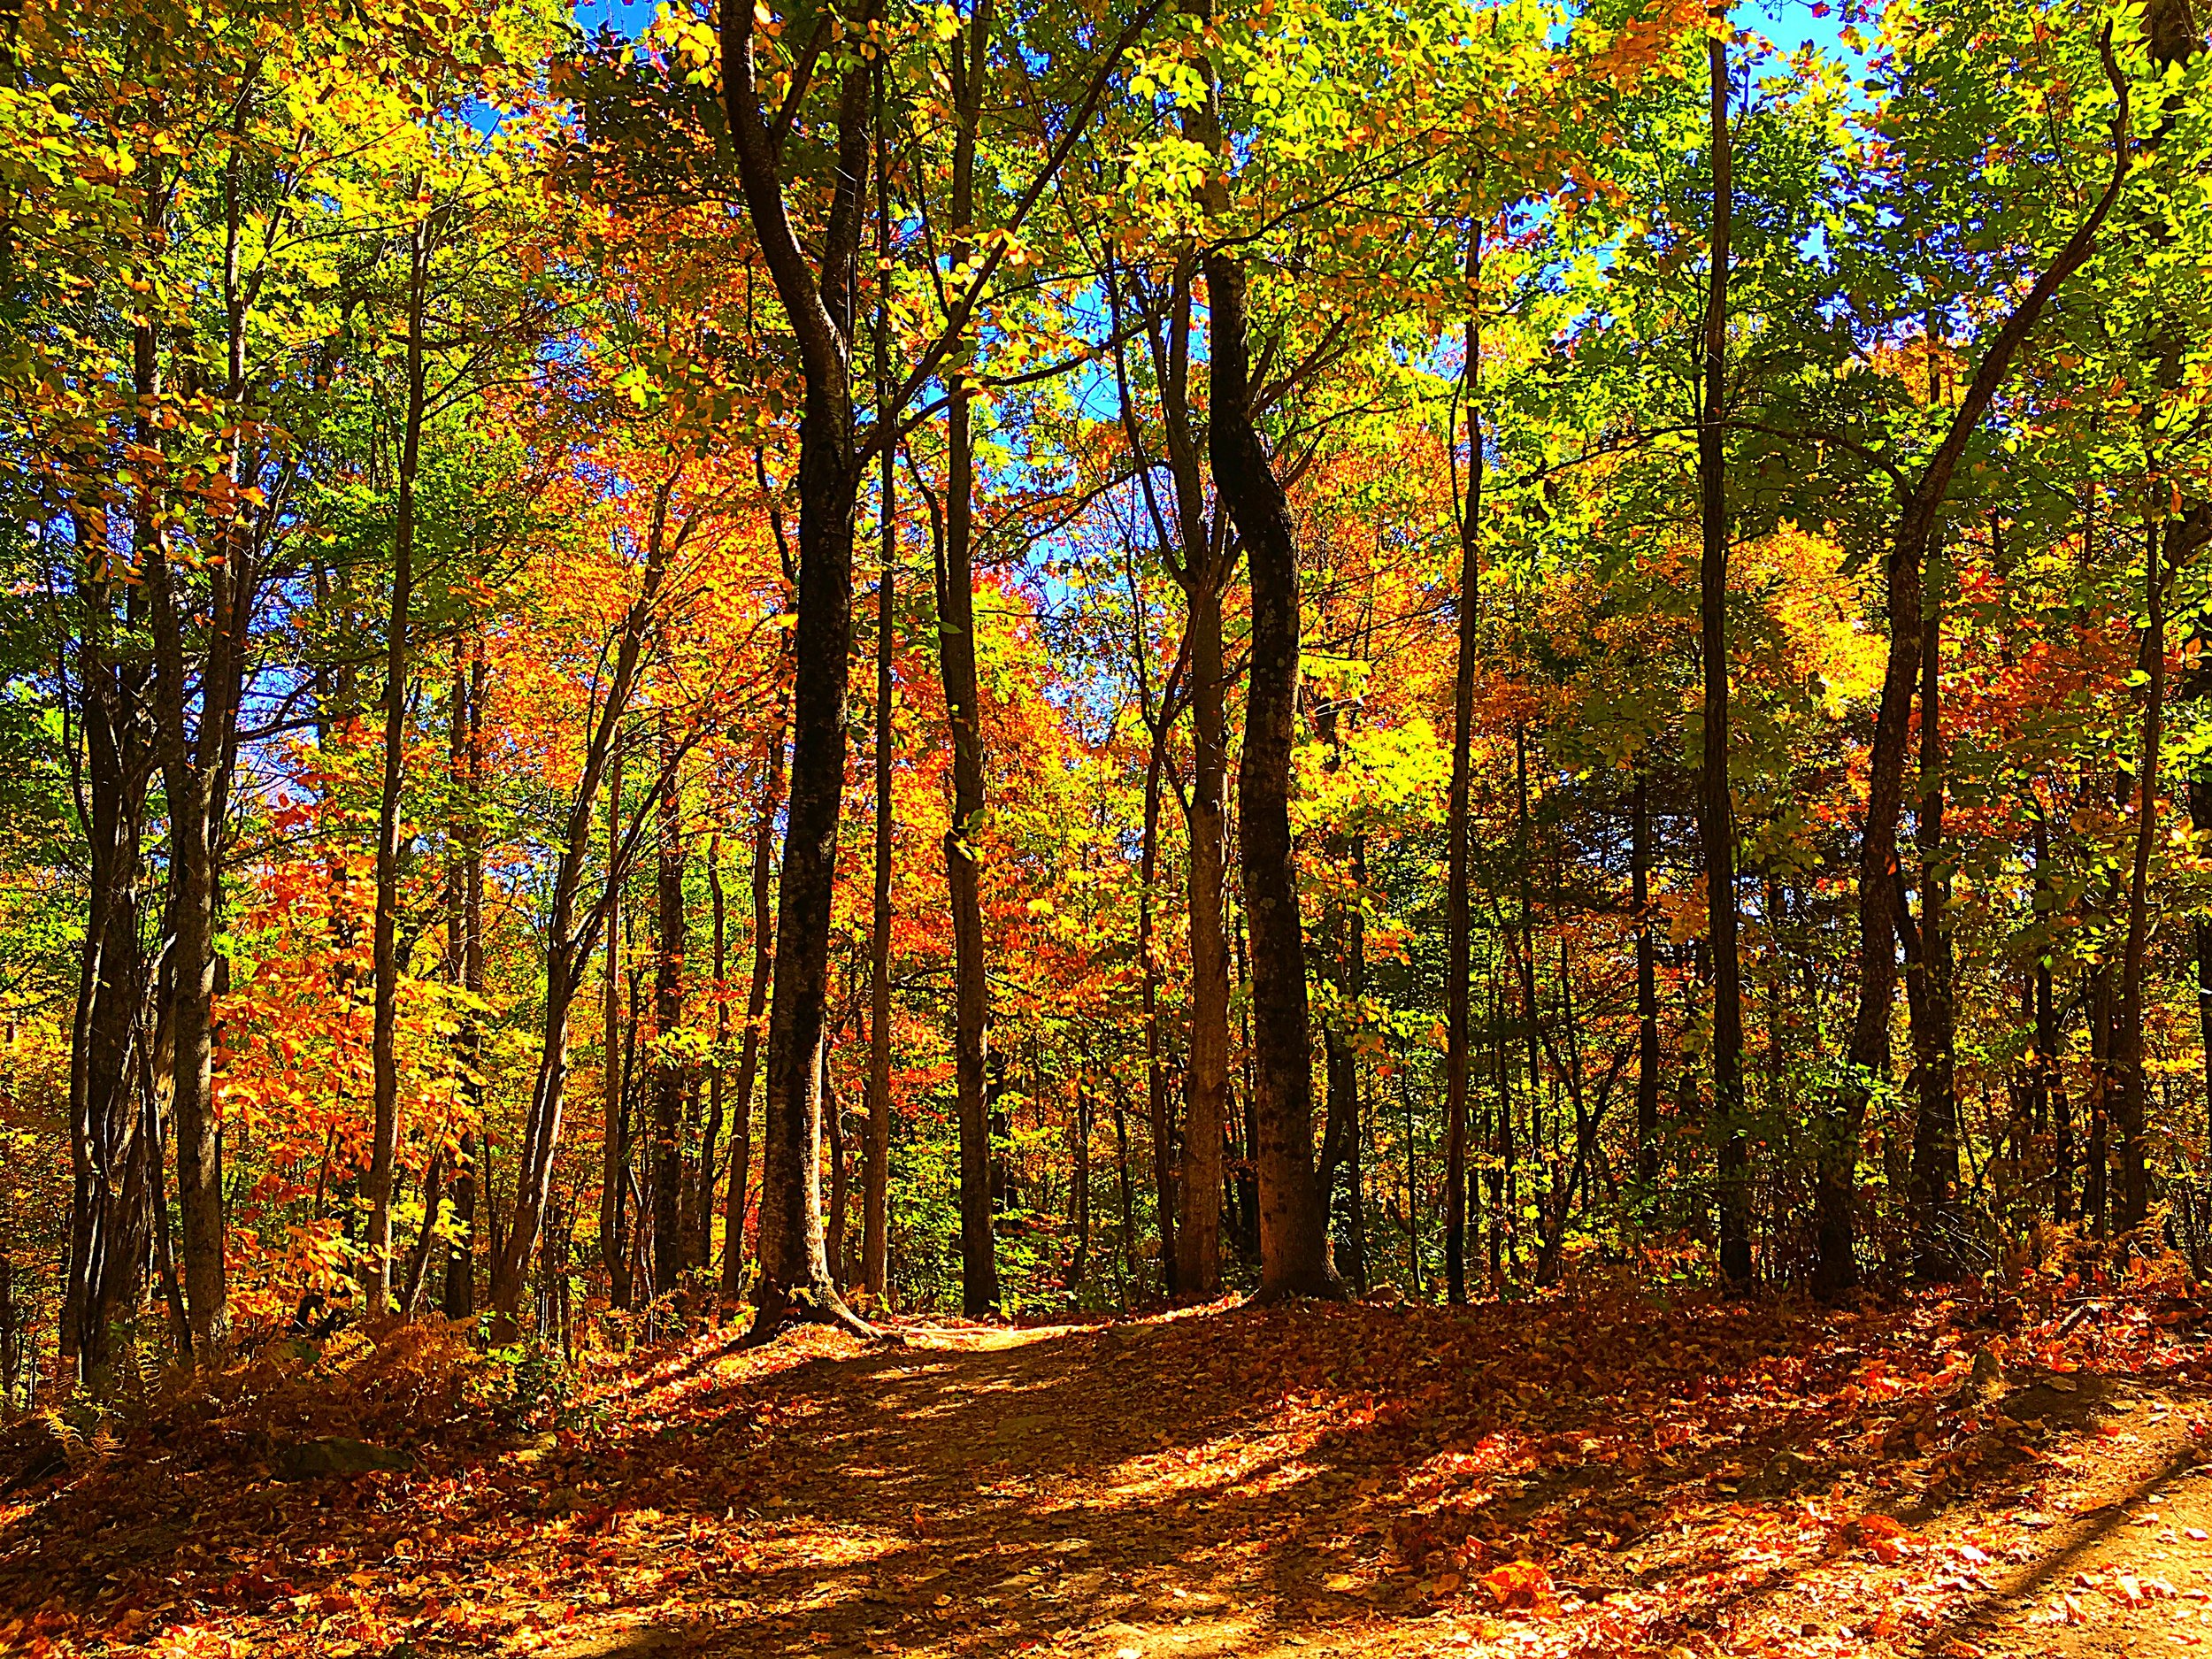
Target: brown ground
[[1694, 1479]]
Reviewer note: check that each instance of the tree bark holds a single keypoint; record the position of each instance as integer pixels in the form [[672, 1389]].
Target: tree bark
[[794, 1271], [834, 1131], [755, 1004], [384, 1143], [1835, 1190], [114, 1189], [875, 1228], [570, 939], [460, 1276], [614, 1173], [702, 1225], [1293, 1254], [1935, 1170], [1646, 985], [671, 1077], [2127, 1043], [1458, 930], [1716, 826], [956, 655], [1348, 932], [1206, 1085], [2200, 821], [1080, 1189], [1163, 1173], [194, 776]]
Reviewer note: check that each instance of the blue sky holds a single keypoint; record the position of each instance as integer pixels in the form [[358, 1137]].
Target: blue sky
[[627, 16], [1788, 23]]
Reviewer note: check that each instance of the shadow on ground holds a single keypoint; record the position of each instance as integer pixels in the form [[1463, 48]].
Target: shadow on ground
[[1221, 1481]]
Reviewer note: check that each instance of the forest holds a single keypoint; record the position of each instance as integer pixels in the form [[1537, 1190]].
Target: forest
[[1399, 796]]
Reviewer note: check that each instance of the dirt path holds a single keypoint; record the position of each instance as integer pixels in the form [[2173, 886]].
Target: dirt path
[[1600, 1478]]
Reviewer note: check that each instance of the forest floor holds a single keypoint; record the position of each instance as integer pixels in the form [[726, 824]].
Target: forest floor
[[1602, 1474]]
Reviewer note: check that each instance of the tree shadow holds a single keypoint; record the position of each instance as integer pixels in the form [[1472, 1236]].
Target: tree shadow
[[1231, 1478]]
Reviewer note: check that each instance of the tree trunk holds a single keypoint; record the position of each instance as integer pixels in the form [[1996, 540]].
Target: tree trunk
[[1206, 1084], [114, 1188], [702, 1224], [614, 1175], [1647, 985], [1835, 1191], [1340, 1123], [792, 1262], [192, 775], [1080, 1189], [671, 1077], [1459, 938], [957, 653], [1293, 1254], [1935, 1167], [755, 1004], [1128, 1205], [2200, 821], [1502, 1148], [1163, 1174], [460, 1295], [419, 1259], [875, 1204], [1716, 826], [2047, 1074], [384, 1143], [2127, 1045], [570, 939], [793, 1271], [834, 1131], [2096, 1174]]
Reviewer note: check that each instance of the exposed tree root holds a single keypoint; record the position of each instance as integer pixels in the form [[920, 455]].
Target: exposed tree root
[[1325, 1287], [783, 1308]]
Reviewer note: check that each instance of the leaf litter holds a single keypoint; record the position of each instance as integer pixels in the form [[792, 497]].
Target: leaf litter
[[1597, 1473]]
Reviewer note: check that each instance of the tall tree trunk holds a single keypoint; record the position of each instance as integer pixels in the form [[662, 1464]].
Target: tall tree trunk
[[1189, 1196], [793, 1271], [460, 1276], [1502, 1147], [875, 1228], [2200, 821], [2097, 1167], [1206, 1084], [1339, 1124], [755, 1004], [1524, 951], [2127, 1044], [194, 778], [1293, 1253], [1835, 1190], [834, 1131], [384, 1143], [701, 1227], [1646, 985], [957, 653], [1341, 1121], [1459, 934], [1935, 1170], [671, 1077], [2048, 1076], [571, 938], [1163, 1174], [1128, 1203], [1080, 1189], [1198, 553], [114, 1188], [614, 1174], [1716, 826]]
